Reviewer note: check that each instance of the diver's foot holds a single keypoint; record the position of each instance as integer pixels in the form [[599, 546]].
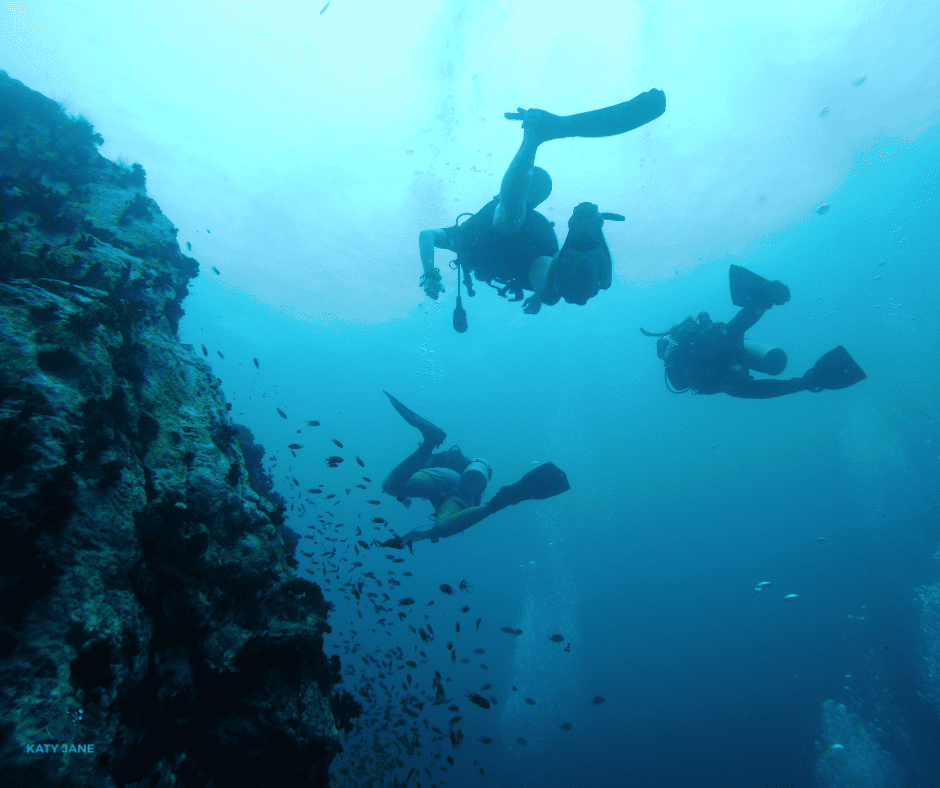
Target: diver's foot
[[540, 126], [432, 434]]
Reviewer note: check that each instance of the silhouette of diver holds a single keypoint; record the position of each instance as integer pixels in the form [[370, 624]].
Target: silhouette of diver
[[711, 358], [454, 484]]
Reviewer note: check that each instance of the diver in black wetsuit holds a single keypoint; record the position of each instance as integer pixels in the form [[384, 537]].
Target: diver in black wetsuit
[[711, 358], [512, 244]]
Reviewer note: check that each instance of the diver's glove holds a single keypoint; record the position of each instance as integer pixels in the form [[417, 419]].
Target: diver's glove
[[431, 282], [532, 305]]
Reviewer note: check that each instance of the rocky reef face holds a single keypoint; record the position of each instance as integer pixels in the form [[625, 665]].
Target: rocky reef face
[[152, 630]]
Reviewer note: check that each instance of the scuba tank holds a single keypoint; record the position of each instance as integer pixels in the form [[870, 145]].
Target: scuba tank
[[769, 360]]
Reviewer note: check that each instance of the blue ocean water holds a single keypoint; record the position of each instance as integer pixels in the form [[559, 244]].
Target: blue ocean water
[[680, 505]]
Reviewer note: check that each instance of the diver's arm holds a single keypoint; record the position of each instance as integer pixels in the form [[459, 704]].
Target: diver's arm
[[428, 241], [765, 389]]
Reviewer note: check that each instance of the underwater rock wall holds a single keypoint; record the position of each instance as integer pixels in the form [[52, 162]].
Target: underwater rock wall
[[152, 631]]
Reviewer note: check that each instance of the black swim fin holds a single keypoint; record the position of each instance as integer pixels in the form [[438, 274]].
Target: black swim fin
[[606, 122], [835, 370], [430, 432], [543, 482], [750, 289]]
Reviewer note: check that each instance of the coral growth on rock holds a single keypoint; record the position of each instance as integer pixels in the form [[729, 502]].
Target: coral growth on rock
[[148, 605]]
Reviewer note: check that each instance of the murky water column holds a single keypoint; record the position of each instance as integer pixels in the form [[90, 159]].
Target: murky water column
[[928, 600], [542, 670], [850, 754]]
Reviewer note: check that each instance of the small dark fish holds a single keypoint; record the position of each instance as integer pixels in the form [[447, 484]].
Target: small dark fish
[[360, 487], [521, 741], [213, 267], [479, 621], [380, 520], [220, 354], [406, 601], [566, 726], [479, 650], [411, 664], [374, 502], [209, 231], [322, 12], [485, 667], [493, 700], [465, 609], [367, 480], [337, 443], [479, 700], [331, 495], [514, 688], [598, 700], [189, 246], [568, 649], [313, 423], [517, 632], [295, 481], [556, 638], [281, 413], [509, 630], [457, 626], [530, 701], [361, 463], [256, 363], [204, 351], [455, 720], [446, 589], [363, 545], [486, 740], [486, 687], [314, 491], [295, 446], [465, 586], [334, 461]]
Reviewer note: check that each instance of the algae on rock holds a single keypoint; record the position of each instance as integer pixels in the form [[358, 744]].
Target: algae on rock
[[148, 604]]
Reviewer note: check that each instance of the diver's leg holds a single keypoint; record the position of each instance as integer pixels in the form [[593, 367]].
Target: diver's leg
[[510, 213], [765, 389], [744, 321], [451, 519], [397, 482]]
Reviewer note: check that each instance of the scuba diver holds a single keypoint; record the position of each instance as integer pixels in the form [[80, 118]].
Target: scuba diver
[[711, 358], [510, 243], [454, 484]]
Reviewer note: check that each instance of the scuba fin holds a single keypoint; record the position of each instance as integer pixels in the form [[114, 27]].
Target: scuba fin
[[543, 482], [430, 432], [606, 122], [583, 266], [750, 289], [835, 370]]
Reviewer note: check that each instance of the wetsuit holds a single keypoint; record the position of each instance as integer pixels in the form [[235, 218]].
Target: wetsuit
[[503, 258]]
